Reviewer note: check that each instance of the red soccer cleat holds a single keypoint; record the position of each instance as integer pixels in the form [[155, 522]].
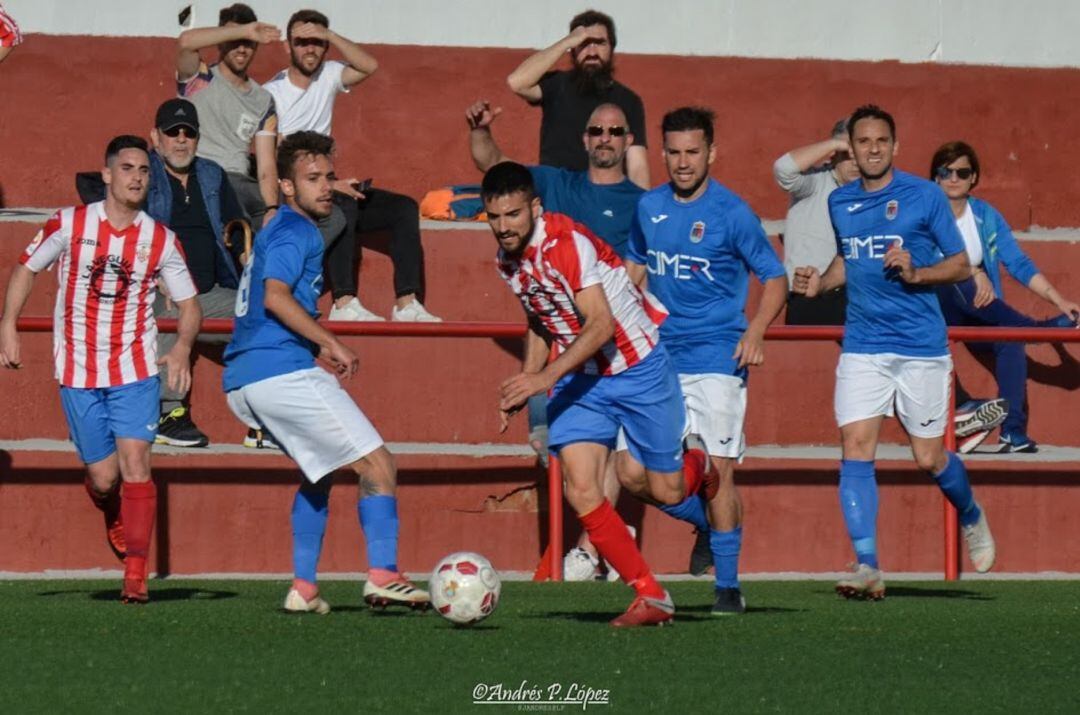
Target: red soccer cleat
[[646, 611], [134, 591]]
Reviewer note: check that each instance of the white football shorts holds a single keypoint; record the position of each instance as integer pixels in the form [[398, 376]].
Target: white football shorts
[[311, 417], [915, 389]]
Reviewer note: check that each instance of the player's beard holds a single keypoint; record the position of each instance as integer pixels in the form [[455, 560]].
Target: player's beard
[[304, 70], [878, 175], [592, 80], [687, 193]]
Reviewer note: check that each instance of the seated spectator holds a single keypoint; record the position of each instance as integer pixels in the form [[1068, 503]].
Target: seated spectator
[[978, 299], [809, 174], [236, 113], [304, 95], [567, 98], [9, 34]]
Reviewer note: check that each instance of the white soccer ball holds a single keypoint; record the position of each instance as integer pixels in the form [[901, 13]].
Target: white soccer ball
[[464, 588]]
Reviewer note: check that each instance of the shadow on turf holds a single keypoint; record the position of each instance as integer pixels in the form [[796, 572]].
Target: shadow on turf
[[931, 592], [157, 595]]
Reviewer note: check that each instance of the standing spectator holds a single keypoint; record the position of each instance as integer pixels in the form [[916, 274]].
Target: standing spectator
[[236, 113], [809, 174], [304, 95], [9, 34], [109, 257], [567, 98], [977, 300]]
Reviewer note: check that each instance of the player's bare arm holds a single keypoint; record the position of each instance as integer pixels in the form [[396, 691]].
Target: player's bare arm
[[751, 347], [536, 356], [485, 152], [952, 269], [525, 80], [810, 283], [266, 167], [637, 273], [279, 301], [361, 64], [177, 361], [191, 41], [598, 328], [19, 286]]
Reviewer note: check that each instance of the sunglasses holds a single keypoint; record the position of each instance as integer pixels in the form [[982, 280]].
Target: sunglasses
[[598, 131], [945, 172], [174, 132]]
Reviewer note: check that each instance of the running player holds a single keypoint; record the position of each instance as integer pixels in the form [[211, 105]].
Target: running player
[[892, 230], [699, 241], [110, 256], [272, 383], [610, 373]]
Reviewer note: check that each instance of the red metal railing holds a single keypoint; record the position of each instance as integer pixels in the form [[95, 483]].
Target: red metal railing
[[516, 330]]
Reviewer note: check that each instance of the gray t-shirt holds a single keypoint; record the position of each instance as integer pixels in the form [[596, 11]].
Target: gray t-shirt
[[809, 239], [229, 118]]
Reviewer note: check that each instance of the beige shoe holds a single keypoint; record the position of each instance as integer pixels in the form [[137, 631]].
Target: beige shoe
[[864, 582], [295, 603], [980, 543], [398, 592]]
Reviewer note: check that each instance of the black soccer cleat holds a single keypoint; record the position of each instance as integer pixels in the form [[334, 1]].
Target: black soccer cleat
[[177, 430]]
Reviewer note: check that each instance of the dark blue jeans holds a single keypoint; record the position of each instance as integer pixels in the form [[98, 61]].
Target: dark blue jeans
[[1010, 360]]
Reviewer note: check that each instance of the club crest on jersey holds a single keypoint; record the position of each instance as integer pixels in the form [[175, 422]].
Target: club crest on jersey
[[142, 252], [891, 209], [697, 232]]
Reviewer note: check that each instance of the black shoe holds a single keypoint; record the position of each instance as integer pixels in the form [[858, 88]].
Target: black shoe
[[260, 439], [1017, 442], [700, 555], [729, 602], [177, 430]]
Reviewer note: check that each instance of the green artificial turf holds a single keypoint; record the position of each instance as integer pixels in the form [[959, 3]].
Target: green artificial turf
[[222, 646]]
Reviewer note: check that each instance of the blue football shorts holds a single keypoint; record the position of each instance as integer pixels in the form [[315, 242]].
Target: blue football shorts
[[97, 416]]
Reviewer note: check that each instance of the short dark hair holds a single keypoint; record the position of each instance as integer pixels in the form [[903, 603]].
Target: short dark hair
[[595, 17], [505, 178], [301, 16], [238, 12], [687, 119], [949, 152], [300, 144], [870, 111], [124, 141]]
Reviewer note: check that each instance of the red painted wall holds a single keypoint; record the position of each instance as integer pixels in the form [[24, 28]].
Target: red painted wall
[[64, 97]]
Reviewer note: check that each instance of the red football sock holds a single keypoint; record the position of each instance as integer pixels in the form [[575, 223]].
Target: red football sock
[[608, 533], [138, 507], [694, 465]]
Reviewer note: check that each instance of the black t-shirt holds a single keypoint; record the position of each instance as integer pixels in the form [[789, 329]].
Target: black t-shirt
[[566, 112], [191, 223]]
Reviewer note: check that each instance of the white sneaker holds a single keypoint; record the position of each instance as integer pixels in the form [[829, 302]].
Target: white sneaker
[[414, 312], [295, 603], [354, 311], [980, 543], [865, 582], [580, 565]]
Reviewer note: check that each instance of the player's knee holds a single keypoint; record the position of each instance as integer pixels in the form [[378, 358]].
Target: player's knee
[[668, 494], [377, 472], [929, 458]]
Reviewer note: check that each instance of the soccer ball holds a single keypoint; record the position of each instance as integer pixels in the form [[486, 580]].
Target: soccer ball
[[464, 588]]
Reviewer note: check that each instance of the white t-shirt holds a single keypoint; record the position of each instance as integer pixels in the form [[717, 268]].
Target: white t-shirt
[[970, 233], [310, 109]]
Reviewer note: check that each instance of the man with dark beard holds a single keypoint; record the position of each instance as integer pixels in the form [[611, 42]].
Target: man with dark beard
[[193, 197], [567, 98]]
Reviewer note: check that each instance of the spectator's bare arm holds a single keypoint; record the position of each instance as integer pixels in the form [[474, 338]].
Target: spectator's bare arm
[[361, 64], [525, 80], [191, 41], [485, 152]]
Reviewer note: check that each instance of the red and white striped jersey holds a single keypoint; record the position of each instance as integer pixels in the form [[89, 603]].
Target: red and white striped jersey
[[563, 258], [104, 332], [9, 30]]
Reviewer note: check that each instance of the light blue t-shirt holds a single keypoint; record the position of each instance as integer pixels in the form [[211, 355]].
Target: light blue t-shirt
[[605, 209], [288, 249], [699, 256], [885, 314]]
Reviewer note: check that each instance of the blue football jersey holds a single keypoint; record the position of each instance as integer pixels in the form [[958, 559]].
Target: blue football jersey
[[699, 256], [885, 314], [289, 249], [605, 209]]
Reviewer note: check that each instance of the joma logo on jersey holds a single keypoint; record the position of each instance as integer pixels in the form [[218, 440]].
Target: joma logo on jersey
[[678, 265], [856, 247]]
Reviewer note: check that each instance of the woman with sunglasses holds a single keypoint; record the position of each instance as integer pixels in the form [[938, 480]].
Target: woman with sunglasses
[[977, 301]]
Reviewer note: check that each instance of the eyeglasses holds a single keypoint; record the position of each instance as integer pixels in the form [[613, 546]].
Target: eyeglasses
[[174, 132], [945, 172], [598, 131]]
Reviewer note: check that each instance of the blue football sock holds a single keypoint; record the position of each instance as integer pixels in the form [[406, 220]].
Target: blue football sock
[[309, 511], [379, 520], [953, 481], [859, 504], [725, 547], [691, 509]]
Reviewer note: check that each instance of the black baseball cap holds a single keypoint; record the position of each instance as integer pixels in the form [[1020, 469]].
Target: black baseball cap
[[177, 112]]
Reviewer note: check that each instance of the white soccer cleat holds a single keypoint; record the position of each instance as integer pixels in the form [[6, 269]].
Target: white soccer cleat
[[580, 565], [399, 591], [414, 312], [354, 311], [980, 543], [295, 603], [864, 582]]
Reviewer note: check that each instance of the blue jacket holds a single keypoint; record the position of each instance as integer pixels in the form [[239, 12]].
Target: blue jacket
[[1000, 247], [210, 177]]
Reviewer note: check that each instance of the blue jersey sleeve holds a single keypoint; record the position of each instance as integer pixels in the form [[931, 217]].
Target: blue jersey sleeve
[[942, 223], [753, 245], [284, 259], [636, 249]]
